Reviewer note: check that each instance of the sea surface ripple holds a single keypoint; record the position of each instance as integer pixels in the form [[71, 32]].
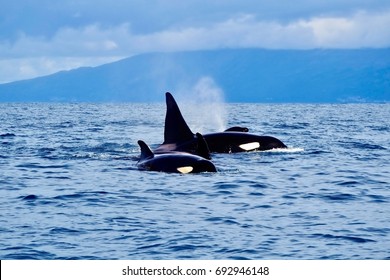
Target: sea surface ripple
[[70, 189]]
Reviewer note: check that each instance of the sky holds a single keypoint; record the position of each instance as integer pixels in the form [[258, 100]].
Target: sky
[[41, 37]]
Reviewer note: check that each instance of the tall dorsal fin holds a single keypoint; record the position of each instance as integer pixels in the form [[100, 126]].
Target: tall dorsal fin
[[203, 148], [176, 129], [146, 152]]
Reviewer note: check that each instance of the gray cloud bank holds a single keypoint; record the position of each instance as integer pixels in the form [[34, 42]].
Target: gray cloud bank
[[91, 33]]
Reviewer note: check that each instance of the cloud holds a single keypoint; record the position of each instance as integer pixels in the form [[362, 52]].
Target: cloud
[[71, 46], [359, 31], [362, 29], [89, 41]]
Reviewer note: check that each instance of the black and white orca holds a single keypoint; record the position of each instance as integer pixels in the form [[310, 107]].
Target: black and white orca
[[177, 162], [179, 137]]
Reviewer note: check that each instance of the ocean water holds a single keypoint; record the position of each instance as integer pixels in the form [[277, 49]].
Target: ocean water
[[70, 189]]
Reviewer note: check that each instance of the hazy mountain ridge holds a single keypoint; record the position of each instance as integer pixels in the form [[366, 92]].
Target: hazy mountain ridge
[[244, 75]]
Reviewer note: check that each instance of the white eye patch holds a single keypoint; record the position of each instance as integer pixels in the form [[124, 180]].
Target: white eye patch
[[185, 169], [250, 146]]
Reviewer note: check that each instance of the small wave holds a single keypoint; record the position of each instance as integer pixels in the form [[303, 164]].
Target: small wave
[[318, 152], [34, 165], [66, 124], [185, 247], [105, 151], [366, 146], [106, 147], [223, 220], [58, 177], [333, 197], [84, 195], [339, 197], [380, 128], [344, 237], [348, 183], [378, 198], [30, 197], [7, 135], [81, 257], [68, 196], [362, 145], [62, 230], [46, 153], [380, 231], [27, 253], [226, 186], [150, 246], [292, 126], [238, 258], [257, 194], [238, 254], [95, 129]]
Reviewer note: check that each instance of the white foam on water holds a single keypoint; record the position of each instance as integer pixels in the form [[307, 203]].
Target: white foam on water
[[285, 150]]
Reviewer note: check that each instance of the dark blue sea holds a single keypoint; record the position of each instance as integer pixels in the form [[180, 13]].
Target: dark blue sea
[[70, 188]]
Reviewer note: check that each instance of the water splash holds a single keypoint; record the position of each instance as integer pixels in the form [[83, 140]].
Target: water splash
[[203, 106], [285, 150]]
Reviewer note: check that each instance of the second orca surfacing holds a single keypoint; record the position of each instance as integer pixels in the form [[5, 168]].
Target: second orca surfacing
[[177, 162], [179, 137]]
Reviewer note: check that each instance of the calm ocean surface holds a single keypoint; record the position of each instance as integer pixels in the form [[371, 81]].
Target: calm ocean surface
[[70, 189]]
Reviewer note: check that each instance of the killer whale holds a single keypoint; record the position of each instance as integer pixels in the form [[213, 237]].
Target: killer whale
[[179, 137], [177, 162]]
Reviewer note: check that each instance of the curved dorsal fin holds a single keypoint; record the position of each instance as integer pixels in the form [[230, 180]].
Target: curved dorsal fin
[[176, 129], [203, 148], [146, 152]]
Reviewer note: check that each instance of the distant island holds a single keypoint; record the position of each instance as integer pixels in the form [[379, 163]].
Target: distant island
[[244, 75]]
